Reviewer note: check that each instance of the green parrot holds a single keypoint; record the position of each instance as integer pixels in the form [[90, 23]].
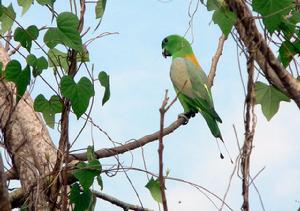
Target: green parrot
[[190, 82]]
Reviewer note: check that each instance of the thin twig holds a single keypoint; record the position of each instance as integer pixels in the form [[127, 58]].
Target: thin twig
[[162, 112], [117, 202], [215, 60]]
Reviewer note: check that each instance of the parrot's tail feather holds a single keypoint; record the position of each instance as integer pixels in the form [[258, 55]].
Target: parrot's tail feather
[[213, 125]]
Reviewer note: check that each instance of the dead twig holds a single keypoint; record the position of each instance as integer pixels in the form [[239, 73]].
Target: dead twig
[[117, 202], [162, 112], [215, 60]]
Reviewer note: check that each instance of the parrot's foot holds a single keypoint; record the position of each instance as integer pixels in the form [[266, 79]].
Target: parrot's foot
[[187, 116]]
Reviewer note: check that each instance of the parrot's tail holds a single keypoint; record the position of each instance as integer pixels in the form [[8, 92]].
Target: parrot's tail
[[213, 125]]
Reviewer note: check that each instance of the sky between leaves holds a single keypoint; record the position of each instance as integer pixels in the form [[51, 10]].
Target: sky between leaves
[[139, 76]]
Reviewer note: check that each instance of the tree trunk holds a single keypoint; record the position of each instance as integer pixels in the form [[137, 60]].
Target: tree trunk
[[27, 141]]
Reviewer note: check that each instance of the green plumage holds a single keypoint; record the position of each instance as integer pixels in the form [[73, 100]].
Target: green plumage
[[190, 81]]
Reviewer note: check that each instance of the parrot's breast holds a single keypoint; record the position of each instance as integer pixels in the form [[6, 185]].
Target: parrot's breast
[[180, 77]]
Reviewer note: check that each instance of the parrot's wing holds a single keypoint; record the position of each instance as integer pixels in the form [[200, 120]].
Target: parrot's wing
[[192, 82]]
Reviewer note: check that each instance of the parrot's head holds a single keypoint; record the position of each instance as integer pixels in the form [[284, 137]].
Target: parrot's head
[[175, 45]]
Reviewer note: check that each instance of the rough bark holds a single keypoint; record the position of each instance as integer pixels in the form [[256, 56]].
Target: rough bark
[[4, 202], [263, 55], [27, 141]]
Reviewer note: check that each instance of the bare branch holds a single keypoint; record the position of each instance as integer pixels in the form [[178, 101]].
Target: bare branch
[[162, 112], [117, 202], [108, 152], [215, 60]]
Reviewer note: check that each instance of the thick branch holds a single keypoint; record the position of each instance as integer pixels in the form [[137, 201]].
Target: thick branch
[[108, 152], [272, 68], [26, 138], [4, 202]]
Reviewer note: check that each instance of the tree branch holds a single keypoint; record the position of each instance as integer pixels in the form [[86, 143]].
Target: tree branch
[[108, 152], [117, 202], [215, 60], [272, 68], [162, 112], [249, 133]]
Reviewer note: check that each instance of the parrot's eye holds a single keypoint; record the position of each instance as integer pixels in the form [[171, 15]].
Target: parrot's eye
[[165, 40]]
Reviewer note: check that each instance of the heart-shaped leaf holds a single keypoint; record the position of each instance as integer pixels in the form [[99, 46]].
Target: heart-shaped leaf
[[26, 36], [82, 200], [14, 73], [66, 32], [38, 65], [48, 108], [78, 93], [269, 97], [86, 172]]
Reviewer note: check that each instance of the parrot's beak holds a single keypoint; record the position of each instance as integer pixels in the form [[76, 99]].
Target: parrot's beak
[[165, 53]]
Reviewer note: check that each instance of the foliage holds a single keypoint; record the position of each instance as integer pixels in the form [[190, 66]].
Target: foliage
[[104, 81], [21, 78], [100, 8], [48, 108], [79, 93], [269, 97], [65, 33], [154, 187], [222, 15], [86, 172], [7, 18], [26, 36], [273, 12]]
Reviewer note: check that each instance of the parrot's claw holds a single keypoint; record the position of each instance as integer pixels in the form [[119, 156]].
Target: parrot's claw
[[186, 119], [187, 116]]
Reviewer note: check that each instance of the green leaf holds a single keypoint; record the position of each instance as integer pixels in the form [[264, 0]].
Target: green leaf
[[38, 65], [66, 32], [86, 172], [82, 200], [58, 58], [67, 23], [53, 37], [44, 2], [48, 108], [269, 97], [212, 5], [25, 4], [7, 18], [225, 19], [100, 8], [26, 36], [154, 187], [14, 73], [31, 59], [287, 51], [90, 153], [79, 93], [104, 81], [272, 11]]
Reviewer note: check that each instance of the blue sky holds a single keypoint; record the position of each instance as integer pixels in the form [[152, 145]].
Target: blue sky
[[139, 76]]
